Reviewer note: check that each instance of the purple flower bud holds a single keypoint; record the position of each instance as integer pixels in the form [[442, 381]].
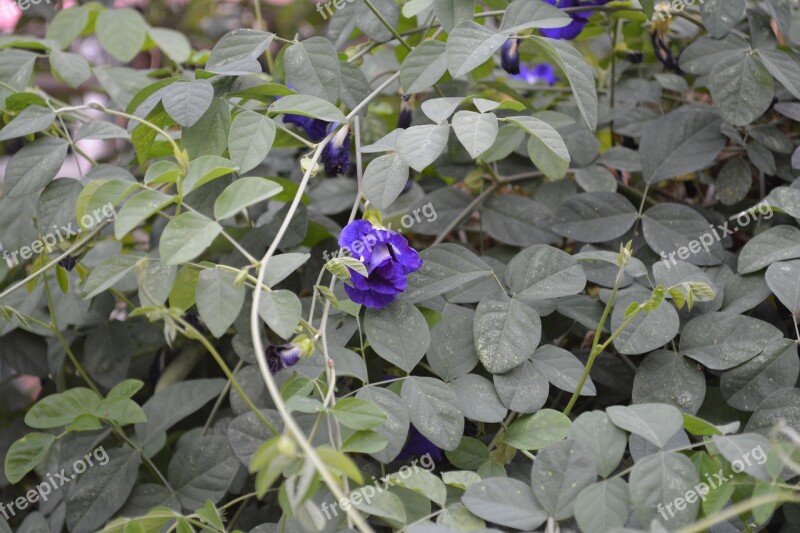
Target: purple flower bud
[[336, 154], [509, 56], [315, 128]]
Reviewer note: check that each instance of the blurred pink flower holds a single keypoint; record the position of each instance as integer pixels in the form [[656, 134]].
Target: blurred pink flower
[[10, 13]]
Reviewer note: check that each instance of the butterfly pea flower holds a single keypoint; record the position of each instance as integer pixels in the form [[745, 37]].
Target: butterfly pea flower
[[289, 354], [69, 262], [404, 118], [315, 128], [579, 18], [509, 56], [541, 72], [336, 154], [388, 259]]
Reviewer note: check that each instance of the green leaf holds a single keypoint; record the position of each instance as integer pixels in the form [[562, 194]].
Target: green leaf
[[506, 333], [479, 399], [721, 16], [386, 505], [742, 88], [34, 166], [308, 106], [476, 131], [58, 410], [72, 69], [561, 471], [534, 432], [121, 32], [423, 67], [395, 429], [32, 119], [219, 300], [655, 422], [444, 268], [669, 227], [451, 13], [780, 407], [209, 136], [434, 410], [384, 180], [204, 169], [123, 411], [171, 405], [648, 330], [506, 502], [452, 352], [734, 181], [25, 454], [250, 139], [721, 341], [202, 469], [783, 280], [187, 236], [562, 369], [282, 266], [358, 414], [101, 491], [398, 333], [523, 15], [237, 52], [603, 506], [683, 141], [523, 389], [281, 311], [746, 386], [100, 129], [594, 217], [420, 146], [783, 68], [173, 43], [668, 377], [186, 102], [543, 272], [67, 25], [579, 74], [364, 442], [341, 463], [606, 441], [108, 273], [126, 389], [659, 479], [312, 67], [518, 220], [469, 46], [705, 53], [470, 454], [243, 193], [775, 244], [139, 208]]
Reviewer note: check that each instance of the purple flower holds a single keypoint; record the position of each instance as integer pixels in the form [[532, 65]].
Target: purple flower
[[336, 154], [283, 356], [315, 128], [579, 18], [509, 56], [541, 72], [388, 259]]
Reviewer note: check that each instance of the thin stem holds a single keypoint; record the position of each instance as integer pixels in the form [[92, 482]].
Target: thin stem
[[388, 26], [194, 334], [739, 509]]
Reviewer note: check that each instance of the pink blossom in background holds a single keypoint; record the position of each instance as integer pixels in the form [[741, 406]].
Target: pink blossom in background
[[9, 15]]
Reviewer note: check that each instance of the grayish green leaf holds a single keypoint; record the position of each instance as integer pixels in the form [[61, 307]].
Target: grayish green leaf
[[398, 333], [506, 502], [562, 369], [775, 244], [603, 506], [434, 410], [312, 67], [187, 236], [419, 146], [250, 139], [543, 272], [281, 311], [668, 377], [595, 217], [469, 46], [506, 333], [219, 300], [746, 386], [742, 88], [653, 421], [384, 180], [606, 441], [478, 398], [659, 479], [202, 469], [452, 351], [243, 193], [121, 32], [561, 471], [34, 166], [186, 102], [783, 280], [423, 67]]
